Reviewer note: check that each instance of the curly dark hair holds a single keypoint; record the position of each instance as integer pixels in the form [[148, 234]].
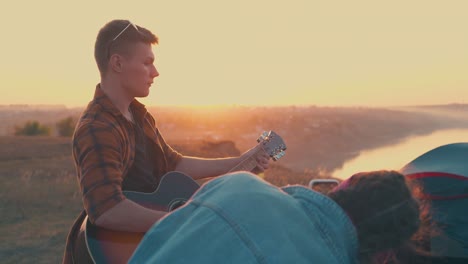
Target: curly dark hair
[[385, 209], [107, 42]]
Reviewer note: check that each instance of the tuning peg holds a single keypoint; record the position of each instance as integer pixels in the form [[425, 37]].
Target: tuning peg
[[262, 137], [278, 156]]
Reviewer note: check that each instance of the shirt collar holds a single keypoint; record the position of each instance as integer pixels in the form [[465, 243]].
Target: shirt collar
[[343, 225], [137, 108]]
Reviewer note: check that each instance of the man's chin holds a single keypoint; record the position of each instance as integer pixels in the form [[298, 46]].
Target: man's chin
[[142, 94]]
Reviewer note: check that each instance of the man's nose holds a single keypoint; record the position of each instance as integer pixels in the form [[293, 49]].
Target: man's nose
[[154, 73]]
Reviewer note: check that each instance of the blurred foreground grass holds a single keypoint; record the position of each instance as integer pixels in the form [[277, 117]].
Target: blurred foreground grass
[[38, 198]]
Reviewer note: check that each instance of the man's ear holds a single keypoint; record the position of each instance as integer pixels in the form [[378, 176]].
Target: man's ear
[[115, 63]]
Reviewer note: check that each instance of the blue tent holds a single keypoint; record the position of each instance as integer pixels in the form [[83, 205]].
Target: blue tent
[[443, 173]]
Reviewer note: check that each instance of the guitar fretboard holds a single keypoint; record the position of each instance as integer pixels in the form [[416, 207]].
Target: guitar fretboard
[[248, 164]]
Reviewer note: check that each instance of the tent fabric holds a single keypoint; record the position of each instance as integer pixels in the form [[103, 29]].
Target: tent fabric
[[443, 173], [239, 218]]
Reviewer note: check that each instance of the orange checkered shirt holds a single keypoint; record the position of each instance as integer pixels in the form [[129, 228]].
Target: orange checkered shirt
[[104, 151]]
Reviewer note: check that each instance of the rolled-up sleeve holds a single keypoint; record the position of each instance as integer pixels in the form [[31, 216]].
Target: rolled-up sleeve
[[98, 160]]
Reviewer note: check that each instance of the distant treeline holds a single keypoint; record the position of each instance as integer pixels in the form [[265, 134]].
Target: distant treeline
[[64, 128]]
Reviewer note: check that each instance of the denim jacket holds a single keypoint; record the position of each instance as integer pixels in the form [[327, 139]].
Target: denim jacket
[[239, 218]]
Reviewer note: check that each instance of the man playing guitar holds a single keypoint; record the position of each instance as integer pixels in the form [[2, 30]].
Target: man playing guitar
[[117, 146]]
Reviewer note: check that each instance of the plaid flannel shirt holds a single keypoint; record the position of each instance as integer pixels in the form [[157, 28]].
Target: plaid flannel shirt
[[104, 151]]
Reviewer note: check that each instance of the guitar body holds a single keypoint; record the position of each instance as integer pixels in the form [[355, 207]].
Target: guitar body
[[110, 246]]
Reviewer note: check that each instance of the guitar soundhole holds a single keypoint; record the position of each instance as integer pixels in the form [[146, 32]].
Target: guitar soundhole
[[176, 204]]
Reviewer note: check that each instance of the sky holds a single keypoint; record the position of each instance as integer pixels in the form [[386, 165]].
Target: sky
[[246, 52]]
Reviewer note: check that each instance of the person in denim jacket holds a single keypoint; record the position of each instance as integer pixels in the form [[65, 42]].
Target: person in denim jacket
[[240, 218]]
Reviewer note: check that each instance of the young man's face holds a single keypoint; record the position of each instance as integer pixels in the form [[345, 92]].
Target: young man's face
[[138, 70]]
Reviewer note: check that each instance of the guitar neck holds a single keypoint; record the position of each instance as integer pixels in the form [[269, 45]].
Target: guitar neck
[[248, 164]]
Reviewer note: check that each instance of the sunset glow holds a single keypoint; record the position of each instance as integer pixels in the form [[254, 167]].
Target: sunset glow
[[333, 53]]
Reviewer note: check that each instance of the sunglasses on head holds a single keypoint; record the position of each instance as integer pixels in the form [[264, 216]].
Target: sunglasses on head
[[118, 35], [125, 28]]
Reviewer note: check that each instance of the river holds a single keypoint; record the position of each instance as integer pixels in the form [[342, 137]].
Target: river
[[398, 155]]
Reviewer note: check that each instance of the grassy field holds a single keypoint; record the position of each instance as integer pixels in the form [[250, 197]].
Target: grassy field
[[38, 198]]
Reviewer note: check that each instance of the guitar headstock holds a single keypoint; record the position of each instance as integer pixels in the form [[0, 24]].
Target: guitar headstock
[[273, 144]]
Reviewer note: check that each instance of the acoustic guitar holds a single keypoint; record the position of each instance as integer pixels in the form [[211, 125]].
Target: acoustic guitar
[[175, 189]]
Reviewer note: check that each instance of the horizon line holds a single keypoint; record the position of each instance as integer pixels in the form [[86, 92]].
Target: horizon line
[[241, 105]]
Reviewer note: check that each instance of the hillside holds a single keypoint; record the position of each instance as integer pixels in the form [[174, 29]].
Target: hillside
[[39, 196]]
